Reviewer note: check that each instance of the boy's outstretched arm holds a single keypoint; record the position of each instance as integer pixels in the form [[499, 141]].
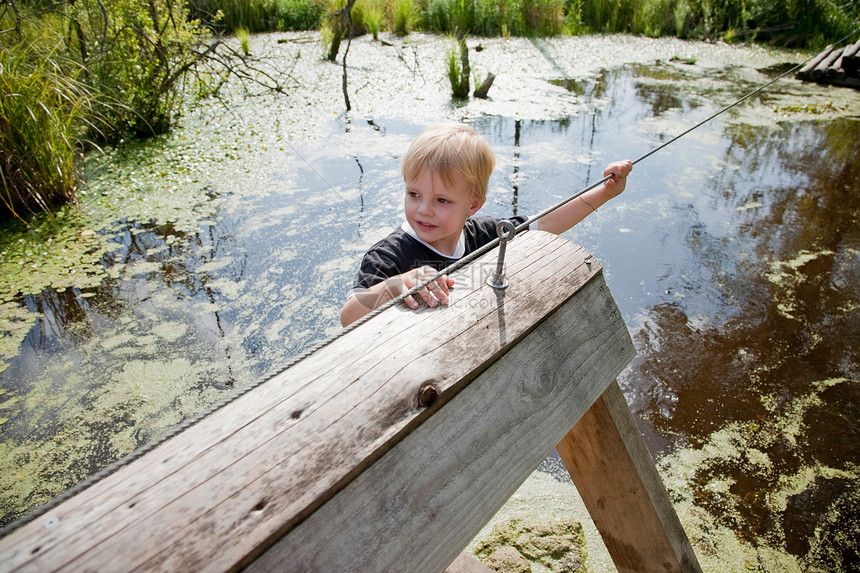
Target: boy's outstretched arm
[[365, 301], [571, 213]]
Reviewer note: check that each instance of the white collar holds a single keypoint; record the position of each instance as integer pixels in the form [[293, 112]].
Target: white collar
[[459, 250]]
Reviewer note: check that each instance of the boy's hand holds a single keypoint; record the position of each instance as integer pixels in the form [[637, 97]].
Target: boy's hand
[[433, 293], [619, 169]]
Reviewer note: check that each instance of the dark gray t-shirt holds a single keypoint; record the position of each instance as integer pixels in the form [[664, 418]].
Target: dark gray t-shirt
[[400, 251]]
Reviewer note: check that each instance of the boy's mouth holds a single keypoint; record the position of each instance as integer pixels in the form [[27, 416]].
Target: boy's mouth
[[425, 226]]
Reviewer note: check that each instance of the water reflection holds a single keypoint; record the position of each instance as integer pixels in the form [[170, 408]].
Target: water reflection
[[733, 257], [781, 361]]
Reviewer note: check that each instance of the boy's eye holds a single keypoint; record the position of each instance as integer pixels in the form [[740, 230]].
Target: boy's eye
[[441, 200]]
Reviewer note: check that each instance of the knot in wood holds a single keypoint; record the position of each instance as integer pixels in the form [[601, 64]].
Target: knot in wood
[[539, 384], [428, 394]]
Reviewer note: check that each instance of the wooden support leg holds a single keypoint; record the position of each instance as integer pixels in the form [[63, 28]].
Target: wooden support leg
[[619, 484]]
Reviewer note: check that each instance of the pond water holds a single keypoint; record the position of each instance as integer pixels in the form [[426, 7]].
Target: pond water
[[206, 260]]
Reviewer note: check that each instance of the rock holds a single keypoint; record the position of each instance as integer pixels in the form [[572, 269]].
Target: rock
[[506, 559], [554, 543]]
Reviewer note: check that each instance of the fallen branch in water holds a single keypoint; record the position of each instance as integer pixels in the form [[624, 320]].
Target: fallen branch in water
[[481, 91]]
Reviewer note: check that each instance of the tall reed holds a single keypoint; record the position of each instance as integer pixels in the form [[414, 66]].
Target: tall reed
[[543, 17], [810, 23], [496, 18], [42, 112], [226, 16], [403, 16], [370, 14], [457, 76]]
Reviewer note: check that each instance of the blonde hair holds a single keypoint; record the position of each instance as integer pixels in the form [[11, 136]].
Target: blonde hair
[[451, 150]]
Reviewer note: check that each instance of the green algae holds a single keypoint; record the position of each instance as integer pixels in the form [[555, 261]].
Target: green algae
[[59, 251], [142, 401], [809, 108], [15, 324], [72, 247], [703, 485], [788, 276]]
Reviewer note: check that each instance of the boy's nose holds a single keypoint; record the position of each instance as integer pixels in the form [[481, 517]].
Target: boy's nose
[[425, 207]]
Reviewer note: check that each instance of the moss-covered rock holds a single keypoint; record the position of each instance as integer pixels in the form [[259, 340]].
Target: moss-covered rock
[[506, 559], [517, 544]]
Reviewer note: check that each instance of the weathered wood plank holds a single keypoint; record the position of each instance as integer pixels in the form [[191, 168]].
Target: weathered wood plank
[[219, 493], [807, 70], [615, 475], [821, 69], [418, 506], [851, 59], [852, 51]]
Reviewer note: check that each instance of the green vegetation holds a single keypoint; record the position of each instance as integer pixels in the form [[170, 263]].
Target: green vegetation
[[805, 23], [259, 15], [244, 38], [79, 72], [371, 13], [553, 544], [404, 13], [76, 73], [41, 110], [135, 55], [458, 74]]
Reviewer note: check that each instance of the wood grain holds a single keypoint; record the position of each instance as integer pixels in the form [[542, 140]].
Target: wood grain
[[418, 506], [615, 475]]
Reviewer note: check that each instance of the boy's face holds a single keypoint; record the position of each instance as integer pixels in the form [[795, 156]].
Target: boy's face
[[437, 209]]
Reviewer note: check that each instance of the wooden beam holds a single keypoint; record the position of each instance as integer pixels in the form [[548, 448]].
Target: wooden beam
[[419, 505], [615, 476], [806, 72], [256, 475]]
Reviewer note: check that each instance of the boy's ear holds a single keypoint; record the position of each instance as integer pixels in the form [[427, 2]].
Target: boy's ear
[[477, 203]]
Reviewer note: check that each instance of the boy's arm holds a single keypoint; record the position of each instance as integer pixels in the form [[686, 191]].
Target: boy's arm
[[364, 301], [573, 212], [367, 300]]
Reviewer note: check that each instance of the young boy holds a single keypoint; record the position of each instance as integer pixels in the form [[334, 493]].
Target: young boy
[[446, 170]]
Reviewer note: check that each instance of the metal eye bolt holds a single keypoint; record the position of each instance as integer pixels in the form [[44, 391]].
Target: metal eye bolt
[[506, 231]]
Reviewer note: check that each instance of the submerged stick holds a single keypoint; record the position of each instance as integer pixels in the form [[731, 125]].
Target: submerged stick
[[345, 92], [481, 91]]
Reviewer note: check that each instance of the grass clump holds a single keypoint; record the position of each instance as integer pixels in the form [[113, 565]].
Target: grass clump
[[78, 73], [227, 16], [370, 15], [807, 23], [244, 38], [403, 16], [458, 75], [41, 113], [44, 109], [497, 18]]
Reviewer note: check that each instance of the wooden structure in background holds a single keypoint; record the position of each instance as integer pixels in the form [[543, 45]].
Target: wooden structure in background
[[389, 448], [835, 66]]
